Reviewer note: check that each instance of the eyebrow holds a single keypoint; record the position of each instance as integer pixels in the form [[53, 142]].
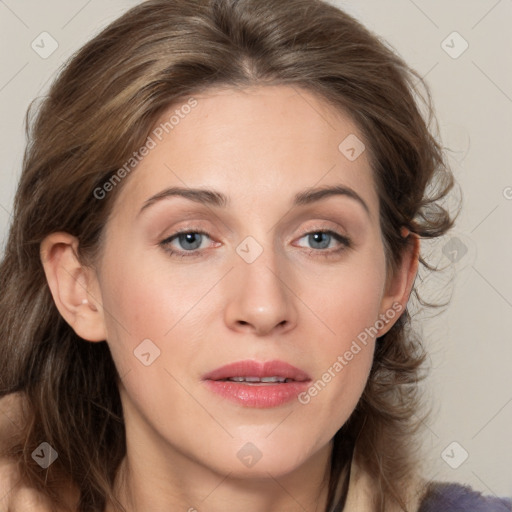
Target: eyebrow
[[219, 200]]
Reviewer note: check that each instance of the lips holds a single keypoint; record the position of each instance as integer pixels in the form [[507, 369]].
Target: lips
[[254, 372], [257, 384]]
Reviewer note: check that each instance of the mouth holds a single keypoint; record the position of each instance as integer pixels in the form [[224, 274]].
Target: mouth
[[254, 372], [257, 384]]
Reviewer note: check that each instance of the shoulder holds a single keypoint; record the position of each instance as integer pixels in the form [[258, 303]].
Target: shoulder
[[455, 497], [14, 495]]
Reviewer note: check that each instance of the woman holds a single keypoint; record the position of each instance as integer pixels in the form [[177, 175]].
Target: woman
[[270, 365]]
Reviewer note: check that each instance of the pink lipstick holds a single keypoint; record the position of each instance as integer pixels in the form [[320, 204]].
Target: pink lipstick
[[258, 384]]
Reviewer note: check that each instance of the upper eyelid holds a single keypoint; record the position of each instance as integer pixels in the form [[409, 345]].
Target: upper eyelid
[[196, 229], [328, 227], [184, 232]]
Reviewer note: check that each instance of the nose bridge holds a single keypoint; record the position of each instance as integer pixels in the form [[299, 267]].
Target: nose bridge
[[258, 293], [260, 267]]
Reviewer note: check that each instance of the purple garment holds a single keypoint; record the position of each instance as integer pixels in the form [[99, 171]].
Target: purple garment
[[453, 497]]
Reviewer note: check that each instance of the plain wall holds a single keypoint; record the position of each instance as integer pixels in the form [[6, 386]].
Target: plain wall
[[470, 345]]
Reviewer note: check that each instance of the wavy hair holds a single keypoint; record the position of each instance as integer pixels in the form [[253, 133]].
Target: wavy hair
[[99, 110]]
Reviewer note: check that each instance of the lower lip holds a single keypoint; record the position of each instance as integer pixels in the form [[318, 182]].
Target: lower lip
[[257, 395]]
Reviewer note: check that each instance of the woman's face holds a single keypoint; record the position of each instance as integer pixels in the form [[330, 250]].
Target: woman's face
[[262, 284]]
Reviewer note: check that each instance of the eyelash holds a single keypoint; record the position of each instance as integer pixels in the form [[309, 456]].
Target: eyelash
[[345, 242]]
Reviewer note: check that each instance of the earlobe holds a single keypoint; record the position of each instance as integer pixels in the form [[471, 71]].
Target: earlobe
[[399, 286], [74, 287]]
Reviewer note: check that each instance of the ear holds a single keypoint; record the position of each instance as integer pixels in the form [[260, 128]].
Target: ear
[[74, 287], [399, 285]]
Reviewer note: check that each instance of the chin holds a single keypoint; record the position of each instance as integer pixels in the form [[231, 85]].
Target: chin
[[261, 459], [263, 470]]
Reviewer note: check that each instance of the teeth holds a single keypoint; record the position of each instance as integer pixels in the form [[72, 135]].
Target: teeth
[[258, 379], [273, 379]]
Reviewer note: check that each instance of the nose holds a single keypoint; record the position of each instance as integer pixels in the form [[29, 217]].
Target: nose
[[260, 297]]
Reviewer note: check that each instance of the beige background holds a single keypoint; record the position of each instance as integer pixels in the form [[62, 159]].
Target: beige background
[[470, 384]]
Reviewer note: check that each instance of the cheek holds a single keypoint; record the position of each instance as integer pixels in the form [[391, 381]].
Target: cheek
[[145, 298], [349, 300], [348, 303]]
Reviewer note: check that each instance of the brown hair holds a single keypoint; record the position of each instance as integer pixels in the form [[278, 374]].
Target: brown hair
[[101, 109]]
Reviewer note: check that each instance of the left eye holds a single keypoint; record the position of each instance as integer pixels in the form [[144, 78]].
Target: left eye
[[322, 239], [188, 240]]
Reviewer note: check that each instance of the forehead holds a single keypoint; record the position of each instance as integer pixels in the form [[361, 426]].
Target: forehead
[[251, 143]]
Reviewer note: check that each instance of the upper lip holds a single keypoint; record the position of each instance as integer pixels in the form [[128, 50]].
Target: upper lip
[[252, 368]]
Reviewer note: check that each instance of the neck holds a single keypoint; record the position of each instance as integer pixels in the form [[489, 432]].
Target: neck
[[190, 487]]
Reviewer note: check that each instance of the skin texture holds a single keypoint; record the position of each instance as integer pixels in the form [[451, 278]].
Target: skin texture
[[260, 147]]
